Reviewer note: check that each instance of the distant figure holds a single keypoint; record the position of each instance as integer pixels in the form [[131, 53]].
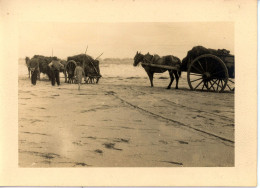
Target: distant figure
[[78, 73], [34, 69], [55, 67]]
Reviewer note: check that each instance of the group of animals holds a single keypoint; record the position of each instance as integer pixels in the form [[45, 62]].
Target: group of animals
[[43, 65], [90, 65]]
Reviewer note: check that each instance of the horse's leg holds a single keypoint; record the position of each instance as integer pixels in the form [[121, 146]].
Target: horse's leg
[[150, 74], [65, 75], [151, 78], [177, 78], [172, 78]]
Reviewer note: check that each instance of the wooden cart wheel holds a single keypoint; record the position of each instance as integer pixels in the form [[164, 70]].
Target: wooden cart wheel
[[207, 73], [70, 68], [96, 79], [87, 80], [92, 79], [231, 84], [71, 65]]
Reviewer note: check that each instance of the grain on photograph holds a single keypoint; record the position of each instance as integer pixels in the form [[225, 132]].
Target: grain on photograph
[[126, 94]]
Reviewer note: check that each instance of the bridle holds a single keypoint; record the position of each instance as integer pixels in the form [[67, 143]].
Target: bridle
[[138, 58]]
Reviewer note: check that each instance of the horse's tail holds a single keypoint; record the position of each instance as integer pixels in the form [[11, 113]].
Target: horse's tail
[[179, 71]]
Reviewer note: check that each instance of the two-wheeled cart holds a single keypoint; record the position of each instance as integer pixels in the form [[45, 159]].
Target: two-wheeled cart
[[90, 66], [211, 70]]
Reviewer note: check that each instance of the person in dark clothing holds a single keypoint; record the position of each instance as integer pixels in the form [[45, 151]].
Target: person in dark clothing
[[34, 68], [55, 67], [34, 76]]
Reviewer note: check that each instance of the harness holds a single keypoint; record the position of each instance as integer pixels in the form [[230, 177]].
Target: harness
[[161, 69]]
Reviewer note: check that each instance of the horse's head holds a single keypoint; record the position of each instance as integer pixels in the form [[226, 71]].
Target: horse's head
[[96, 63], [138, 58], [27, 60]]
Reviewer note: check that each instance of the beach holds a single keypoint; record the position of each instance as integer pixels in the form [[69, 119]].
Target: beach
[[123, 122]]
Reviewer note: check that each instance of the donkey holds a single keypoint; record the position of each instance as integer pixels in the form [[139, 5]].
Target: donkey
[[155, 59]]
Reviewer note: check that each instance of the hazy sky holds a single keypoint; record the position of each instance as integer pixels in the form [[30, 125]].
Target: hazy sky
[[122, 39]]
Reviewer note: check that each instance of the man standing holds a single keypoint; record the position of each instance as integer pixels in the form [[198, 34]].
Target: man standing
[[34, 68], [55, 67]]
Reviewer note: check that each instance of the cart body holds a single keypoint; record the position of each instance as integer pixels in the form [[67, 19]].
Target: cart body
[[209, 69]]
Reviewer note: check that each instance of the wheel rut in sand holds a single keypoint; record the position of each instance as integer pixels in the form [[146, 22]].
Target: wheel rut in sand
[[171, 120], [197, 110], [183, 106]]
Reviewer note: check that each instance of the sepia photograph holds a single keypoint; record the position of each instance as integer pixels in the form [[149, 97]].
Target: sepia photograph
[[128, 93]]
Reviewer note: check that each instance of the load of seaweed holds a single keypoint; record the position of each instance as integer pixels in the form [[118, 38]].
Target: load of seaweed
[[91, 66], [200, 50]]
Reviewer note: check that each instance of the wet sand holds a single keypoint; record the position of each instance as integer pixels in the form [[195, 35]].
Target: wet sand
[[123, 122]]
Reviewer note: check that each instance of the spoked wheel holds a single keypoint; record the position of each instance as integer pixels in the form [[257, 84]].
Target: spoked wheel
[[89, 80], [92, 79], [70, 68], [207, 73], [231, 84]]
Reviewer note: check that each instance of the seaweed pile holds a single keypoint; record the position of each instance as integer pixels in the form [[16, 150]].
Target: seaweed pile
[[200, 50]]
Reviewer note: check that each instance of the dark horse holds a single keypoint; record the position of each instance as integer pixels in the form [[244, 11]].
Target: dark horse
[[27, 61], [155, 59], [28, 64]]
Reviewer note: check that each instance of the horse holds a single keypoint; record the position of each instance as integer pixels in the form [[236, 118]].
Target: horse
[[168, 60], [30, 69], [27, 61]]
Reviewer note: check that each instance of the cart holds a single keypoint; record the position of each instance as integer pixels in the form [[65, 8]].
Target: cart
[[207, 69], [90, 66]]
